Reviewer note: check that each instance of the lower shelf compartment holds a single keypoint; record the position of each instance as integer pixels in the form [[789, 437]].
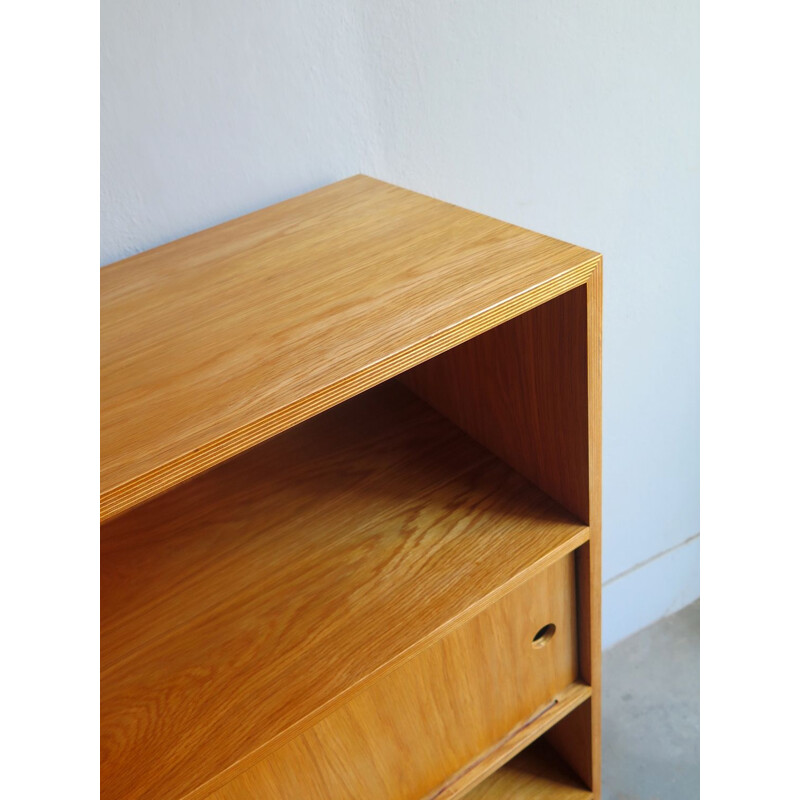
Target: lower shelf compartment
[[537, 773]]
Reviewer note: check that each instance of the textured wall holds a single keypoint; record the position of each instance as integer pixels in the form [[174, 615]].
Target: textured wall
[[576, 119]]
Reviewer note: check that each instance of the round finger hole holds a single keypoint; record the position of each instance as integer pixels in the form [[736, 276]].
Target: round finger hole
[[544, 635]]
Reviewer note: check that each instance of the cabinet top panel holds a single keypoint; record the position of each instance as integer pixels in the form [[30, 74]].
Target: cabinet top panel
[[217, 341]]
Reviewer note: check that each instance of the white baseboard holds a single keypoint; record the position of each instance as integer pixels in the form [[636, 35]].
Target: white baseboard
[[652, 590]]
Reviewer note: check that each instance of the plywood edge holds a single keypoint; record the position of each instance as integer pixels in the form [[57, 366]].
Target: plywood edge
[[117, 499], [590, 574], [515, 741]]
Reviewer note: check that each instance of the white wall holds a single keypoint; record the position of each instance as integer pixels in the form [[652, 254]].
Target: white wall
[[576, 119]]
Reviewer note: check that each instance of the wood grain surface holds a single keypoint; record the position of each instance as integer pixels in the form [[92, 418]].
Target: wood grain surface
[[572, 739], [215, 342], [530, 390], [537, 773], [504, 749], [409, 732], [520, 389], [243, 606]]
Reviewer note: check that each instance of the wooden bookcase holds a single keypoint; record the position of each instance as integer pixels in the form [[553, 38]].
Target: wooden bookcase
[[350, 507]]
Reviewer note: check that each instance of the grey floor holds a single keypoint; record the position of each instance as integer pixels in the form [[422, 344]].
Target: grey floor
[[651, 713]]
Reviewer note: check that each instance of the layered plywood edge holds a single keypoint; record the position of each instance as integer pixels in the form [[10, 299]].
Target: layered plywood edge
[[265, 618]]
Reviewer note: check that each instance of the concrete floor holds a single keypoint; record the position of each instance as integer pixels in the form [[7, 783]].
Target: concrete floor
[[651, 712]]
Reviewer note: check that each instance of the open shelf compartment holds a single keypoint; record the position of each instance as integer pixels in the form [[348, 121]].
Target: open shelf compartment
[[537, 773]]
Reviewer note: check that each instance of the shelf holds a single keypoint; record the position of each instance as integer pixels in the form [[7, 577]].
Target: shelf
[[215, 342], [240, 607], [537, 773]]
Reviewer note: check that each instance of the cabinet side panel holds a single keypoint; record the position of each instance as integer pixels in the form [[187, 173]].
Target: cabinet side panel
[[590, 574], [520, 389], [578, 737], [571, 738]]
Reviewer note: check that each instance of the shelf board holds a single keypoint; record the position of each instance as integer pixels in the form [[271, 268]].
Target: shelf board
[[537, 773], [242, 606], [217, 341]]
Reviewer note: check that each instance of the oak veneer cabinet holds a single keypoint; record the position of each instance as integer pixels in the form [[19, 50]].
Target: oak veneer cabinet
[[350, 506]]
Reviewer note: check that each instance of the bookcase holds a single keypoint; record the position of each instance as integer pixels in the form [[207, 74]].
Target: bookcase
[[350, 507]]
